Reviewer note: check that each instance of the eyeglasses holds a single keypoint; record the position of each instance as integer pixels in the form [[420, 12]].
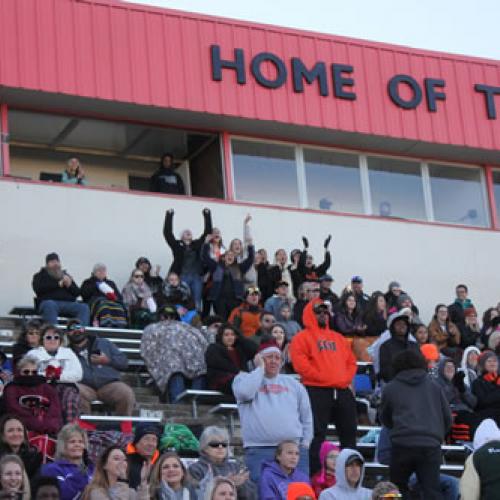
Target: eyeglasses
[[217, 444], [29, 372], [51, 337], [138, 275]]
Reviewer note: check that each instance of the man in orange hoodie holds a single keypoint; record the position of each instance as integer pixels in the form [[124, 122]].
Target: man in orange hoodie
[[324, 360]]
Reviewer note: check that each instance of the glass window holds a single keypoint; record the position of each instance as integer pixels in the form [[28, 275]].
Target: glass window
[[265, 173], [396, 188], [457, 195], [496, 189], [333, 181]]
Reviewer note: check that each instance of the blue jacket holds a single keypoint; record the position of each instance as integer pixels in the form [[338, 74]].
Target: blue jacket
[[72, 478], [274, 481]]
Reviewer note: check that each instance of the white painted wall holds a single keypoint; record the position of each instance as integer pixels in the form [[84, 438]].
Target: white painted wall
[[86, 226]]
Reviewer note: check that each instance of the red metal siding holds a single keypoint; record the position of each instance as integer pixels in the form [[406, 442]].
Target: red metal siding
[[110, 50]]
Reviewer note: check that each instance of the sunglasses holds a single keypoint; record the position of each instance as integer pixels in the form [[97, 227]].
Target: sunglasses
[[51, 337], [29, 372], [217, 444], [76, 327]]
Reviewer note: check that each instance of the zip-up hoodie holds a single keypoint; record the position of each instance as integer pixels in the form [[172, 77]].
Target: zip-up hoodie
[[274, 481], [321, 356], [342, 490]]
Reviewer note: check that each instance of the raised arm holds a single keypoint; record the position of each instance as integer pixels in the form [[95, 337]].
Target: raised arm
[[247, 263], [207, 227], [168, 232], [246, 385]]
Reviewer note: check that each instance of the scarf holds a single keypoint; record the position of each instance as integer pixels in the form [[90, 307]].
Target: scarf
[[167, 493], [466, 304], [492, 377]]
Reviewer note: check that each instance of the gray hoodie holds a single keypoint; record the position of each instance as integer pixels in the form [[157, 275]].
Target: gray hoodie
[[342, 490]]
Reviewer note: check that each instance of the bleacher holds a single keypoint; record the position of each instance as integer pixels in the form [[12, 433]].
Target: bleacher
[[199, 408]]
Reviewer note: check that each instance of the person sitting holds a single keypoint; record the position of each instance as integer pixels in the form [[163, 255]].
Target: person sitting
[[487, 387], [176, 291], [281, 297], [170, 479], [398, 324], [138, 299], [71, 466], [391, 296], [61, 367], [385, 489], [214, 461], [227, 289], [300, 491], [152, 277], [278, 333], [266, 323], [460, 398], [406, 302], [101, 363], [264, 278], [290, 325], [28, 339], [375, 315], [246, 317], [361, 297], [459, 306], [421, 334], [14, 483], [278, 474], [74, 173], [491, 321], [348, 320], [142, 452], [470, 334], [46, 488], [220, 488], [325, 284], [104, 300], [187, 260], [35, 403], [350, 471], [325, 478], [14, 441], [56, 293], [469, 365], [229, 355], [5, 371], [110, 478], [166, 180], [174, 354], [444, 333]]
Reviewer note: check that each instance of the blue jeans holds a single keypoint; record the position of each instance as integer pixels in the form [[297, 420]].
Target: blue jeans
[[50, 310], [256, 455], [177, 384], [195, 284]]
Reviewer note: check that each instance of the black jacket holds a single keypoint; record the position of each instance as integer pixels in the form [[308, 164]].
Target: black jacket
[[265, 280], [166, 180], [415, 410], [487, 393], [314, 272], [90, 291], [178, 247], [375, 325], [388, 351], [47, 288], [31, 457]]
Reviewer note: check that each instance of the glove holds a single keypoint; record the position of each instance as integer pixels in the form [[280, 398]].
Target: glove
[[206, 211], [458, 381], [306, 242], [327, 241]]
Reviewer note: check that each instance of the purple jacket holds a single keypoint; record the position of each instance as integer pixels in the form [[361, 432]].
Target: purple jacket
[[72, 478], [274, 482]]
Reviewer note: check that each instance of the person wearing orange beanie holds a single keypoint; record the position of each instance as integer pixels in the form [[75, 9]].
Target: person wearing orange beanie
[[300, 491]]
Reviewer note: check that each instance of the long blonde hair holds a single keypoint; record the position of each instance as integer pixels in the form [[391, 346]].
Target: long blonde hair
[[100, 480], [6, 459]]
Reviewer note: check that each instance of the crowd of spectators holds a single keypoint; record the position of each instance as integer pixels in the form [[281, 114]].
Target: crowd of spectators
[[229, 320]]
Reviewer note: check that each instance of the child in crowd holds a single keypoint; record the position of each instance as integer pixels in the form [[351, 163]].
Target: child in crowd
[[325, 478]]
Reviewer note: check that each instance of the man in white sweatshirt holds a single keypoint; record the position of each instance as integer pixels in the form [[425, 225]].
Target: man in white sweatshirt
[[273, 408]]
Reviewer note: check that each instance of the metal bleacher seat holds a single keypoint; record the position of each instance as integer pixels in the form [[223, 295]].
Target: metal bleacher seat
[[194, 396], [227, 410]]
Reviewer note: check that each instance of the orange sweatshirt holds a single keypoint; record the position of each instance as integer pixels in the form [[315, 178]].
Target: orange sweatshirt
[[322, 357]]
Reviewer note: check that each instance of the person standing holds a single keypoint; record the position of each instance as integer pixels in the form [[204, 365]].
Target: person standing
[[326, 363], [263, 395], [418, 417], [166, 180]]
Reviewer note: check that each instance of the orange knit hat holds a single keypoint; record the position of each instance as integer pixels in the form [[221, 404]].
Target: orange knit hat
[[430, 352], [296, 490]]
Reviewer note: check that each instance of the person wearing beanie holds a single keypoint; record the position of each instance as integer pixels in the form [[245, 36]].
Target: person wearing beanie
[[431, 354], [391, 296], [300, 491], [398, 325], [264, 394], [325, 478], [481, 476], [143, 448], [152, 278], [350, 474], [56, 293], [362, 298], [326, 363], [487, 387], [418, 417], [404, 301], [326, 293]]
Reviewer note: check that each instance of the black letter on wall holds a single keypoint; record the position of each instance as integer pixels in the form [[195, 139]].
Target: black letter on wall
[[278, 64], [340, 81], [300, 72], [431, 94], [489, 94], [394, 94], [219, 64]]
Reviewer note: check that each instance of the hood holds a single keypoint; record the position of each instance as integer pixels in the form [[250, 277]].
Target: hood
[[441, 364], [326, 447], [275, 469], [308, 316], [344, 455], [411, 377], [486, 432]]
